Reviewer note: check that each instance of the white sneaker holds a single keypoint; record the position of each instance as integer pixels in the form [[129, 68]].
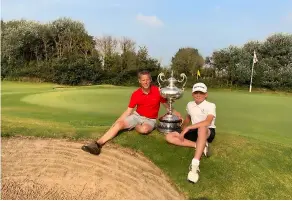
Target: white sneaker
[[193, 175], [207, 152]]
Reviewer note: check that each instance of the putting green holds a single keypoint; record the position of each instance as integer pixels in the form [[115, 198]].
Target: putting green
[[90, 100], [261, 116]]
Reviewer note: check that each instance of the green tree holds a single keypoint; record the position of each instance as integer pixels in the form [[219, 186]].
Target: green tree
[[187, 60], [142, 57], [128, 54], [107, 47]]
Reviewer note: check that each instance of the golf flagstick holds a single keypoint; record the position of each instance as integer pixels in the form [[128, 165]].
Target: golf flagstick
[[253, 62]]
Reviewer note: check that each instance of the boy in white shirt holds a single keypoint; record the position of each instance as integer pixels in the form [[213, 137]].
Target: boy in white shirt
[[201, 132]]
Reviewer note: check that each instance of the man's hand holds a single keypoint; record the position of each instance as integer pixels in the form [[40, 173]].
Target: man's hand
[[178, 114]]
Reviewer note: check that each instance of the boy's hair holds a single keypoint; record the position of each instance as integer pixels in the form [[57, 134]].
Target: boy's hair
[[143, 72]]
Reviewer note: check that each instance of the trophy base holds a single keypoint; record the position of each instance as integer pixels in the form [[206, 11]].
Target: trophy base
[[168, 130], [169, 123]]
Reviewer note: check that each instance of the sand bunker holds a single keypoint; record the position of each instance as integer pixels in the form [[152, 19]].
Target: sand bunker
[[58, 169]]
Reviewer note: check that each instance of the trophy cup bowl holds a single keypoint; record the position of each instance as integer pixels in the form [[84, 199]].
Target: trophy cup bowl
[[170, 122]]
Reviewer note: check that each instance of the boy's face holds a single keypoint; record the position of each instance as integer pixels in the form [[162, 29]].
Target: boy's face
[[145, 81], [199, 96]]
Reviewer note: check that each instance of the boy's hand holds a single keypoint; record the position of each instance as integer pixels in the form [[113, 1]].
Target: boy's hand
[[181, 137]]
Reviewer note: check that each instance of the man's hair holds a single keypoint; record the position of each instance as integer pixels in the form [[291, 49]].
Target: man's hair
[[143, 72]]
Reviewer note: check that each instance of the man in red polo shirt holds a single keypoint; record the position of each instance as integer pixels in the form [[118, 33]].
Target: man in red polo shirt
[[146, 100]]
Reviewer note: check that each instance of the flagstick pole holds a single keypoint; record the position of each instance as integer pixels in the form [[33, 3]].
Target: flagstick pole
[[251, 76]]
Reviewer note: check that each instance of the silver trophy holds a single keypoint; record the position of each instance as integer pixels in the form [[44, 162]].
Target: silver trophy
[[170, 122]]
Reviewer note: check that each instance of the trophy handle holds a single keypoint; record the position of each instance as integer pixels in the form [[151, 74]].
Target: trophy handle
[[184, 77], [160, 77]]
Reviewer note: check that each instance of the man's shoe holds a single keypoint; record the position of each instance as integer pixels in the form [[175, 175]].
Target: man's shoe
[[193, 175], [93, 148], [207, 151]]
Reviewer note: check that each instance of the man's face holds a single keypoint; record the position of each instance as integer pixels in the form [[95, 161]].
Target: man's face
[[145, 81], [199, 96]]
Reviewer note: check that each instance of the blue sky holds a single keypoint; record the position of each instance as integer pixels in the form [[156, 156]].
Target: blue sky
[[165, 26]]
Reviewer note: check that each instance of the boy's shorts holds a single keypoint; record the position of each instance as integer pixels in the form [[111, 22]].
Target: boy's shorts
[[193, 135], [135, 119]]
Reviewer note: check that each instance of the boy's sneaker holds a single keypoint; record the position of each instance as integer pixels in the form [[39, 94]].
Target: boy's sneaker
[[93, 148], [207, 152], [193, 175]]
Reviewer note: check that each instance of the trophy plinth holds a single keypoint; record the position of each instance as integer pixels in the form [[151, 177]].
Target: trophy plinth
[[170, 122]]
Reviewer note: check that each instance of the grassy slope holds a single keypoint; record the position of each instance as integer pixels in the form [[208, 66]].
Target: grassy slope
[[252, 151]]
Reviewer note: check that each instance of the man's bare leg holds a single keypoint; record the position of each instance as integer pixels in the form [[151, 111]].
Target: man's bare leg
[[95, 147], [144, 128], [112, 132]]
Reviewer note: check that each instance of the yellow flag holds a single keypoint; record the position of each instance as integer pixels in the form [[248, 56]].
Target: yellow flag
[[198, 73]]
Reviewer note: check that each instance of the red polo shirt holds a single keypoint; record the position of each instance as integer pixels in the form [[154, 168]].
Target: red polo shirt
[[147, 104]]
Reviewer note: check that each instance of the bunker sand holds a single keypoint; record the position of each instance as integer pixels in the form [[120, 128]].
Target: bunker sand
[[34, 168]]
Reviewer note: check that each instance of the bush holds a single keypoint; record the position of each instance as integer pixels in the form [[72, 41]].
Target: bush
[[71, 71]]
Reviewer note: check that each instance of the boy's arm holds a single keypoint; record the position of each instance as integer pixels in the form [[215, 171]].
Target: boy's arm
[[204, 123], [186, 122], [207, 122]]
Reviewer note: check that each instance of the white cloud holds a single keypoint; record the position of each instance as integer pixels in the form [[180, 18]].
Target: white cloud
[[149, 20]]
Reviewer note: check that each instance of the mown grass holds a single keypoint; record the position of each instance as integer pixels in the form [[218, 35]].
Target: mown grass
[[252, 150]]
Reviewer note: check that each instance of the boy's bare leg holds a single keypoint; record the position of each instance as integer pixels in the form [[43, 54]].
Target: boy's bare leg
[[173, 138], [203, 134]]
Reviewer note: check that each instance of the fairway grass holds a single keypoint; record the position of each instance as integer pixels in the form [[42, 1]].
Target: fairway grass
[[252, 151]]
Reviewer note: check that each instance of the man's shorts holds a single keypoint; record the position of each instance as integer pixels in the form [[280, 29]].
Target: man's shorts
[[135, 119], [193, 135]]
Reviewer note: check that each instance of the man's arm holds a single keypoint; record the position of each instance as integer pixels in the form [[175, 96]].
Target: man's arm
[[126, 113], [132, 105], [166, 105]]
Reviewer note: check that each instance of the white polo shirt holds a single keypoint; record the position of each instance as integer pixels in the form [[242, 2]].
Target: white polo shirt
[[200, 112]]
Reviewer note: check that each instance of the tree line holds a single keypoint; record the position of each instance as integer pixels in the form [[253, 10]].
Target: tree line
[[63, 52], [233, 65]]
